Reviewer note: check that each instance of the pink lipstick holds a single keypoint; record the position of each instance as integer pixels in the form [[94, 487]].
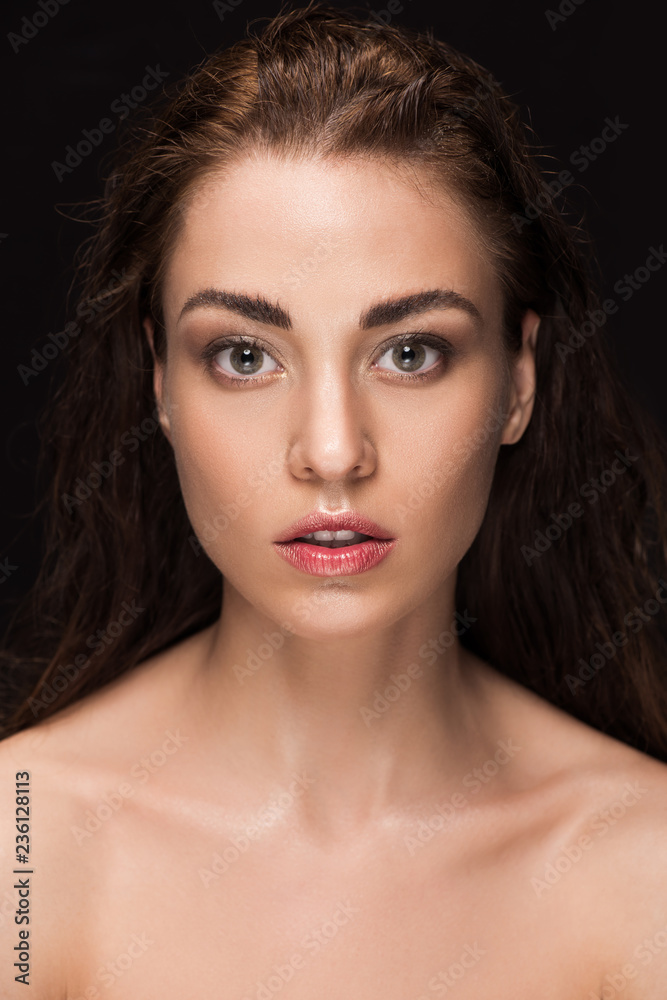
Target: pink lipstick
[[340, 544]]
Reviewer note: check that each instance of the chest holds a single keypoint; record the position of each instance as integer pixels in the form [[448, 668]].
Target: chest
[[172, 916]]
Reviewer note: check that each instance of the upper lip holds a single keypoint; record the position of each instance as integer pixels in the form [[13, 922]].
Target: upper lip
[[322, 521]]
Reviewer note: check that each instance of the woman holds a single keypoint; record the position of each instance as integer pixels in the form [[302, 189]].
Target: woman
[[344, 670]]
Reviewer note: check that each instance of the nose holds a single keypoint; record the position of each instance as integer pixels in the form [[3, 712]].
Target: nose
[[330, 439]]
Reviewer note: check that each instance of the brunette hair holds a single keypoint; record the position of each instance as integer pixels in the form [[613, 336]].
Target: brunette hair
[[556, 601]]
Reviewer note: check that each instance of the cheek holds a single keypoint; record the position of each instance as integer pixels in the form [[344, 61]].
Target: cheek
[[447, 481], [227, 469]]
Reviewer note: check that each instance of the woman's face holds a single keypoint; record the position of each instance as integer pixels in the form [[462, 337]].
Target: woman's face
[[328, 262]]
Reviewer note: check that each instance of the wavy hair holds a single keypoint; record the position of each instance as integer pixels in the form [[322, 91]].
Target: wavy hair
[[569, 604]]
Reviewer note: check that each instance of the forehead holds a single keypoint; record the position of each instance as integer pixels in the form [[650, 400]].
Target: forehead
[[318, 233]]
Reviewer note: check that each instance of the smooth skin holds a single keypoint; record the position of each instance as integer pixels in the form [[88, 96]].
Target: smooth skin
[[246, 814]]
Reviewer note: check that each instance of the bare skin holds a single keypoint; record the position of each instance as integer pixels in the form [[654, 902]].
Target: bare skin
[[205, 827], [155, 901]]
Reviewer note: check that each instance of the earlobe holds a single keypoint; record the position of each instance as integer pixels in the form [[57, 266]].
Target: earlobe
[[158, 377], [523, 386]]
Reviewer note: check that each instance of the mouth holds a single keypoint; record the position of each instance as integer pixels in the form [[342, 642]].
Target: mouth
[[335, 551], [327, 544]]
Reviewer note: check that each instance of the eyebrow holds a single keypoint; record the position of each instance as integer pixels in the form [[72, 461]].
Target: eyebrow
[[382, 313]]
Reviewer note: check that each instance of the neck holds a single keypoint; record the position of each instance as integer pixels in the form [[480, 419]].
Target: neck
[[371, 722]]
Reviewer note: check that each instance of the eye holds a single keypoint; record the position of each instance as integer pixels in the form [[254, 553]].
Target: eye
[[409, 354], [242, 359]]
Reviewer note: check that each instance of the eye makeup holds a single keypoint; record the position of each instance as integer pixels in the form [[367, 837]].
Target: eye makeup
[[418, 338]]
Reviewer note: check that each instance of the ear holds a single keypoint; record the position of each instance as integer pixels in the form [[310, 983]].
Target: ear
[[158, 377], [523, 381]]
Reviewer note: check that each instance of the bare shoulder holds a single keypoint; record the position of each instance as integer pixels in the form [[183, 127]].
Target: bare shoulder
[[558, 743], [60, 780], [104, 730], [608, 849], [593, 766], [631, 878], [623, 838]]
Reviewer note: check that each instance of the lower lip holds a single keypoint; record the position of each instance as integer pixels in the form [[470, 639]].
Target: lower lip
[[322, 561]]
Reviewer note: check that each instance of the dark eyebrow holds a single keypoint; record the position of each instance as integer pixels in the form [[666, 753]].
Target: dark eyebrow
[[396, 309], [391, 311], [253, 307]]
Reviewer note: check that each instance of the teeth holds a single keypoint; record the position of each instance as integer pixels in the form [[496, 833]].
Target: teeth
[[329, 536], [335, 539]]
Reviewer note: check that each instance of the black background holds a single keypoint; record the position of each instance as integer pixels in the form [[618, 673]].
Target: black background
[[605, 59]]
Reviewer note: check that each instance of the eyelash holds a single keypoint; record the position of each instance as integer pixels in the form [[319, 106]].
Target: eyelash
[[210, 353]]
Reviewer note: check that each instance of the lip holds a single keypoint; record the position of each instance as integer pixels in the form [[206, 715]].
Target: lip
[[345, 561], [323, 521]]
